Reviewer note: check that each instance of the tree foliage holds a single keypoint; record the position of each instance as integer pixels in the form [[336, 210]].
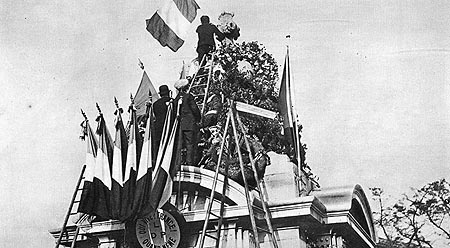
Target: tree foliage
[[419, 219], [250, 75]]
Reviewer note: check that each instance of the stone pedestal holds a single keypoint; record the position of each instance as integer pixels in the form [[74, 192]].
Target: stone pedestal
[[280, 179]]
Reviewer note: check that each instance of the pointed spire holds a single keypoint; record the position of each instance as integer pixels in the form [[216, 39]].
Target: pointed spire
[[119, 110], [84, 114], [83, 126], [141, 65], [98, 108], [132, 107]]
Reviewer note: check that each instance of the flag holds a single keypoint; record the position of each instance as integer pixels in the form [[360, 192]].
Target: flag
[[118, 165], [285, 106], [166, 166], [142, 200], [101, 185], [142, 95], [171, 22], [87, 199], [129, 181]]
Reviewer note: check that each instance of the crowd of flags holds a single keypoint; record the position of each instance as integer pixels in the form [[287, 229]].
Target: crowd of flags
[[122, 180]]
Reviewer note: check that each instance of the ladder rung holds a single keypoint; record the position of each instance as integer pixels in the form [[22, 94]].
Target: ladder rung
[[213, 237], [202, 75], [264, 230], [198, 85], [215, 214], [258, 208]]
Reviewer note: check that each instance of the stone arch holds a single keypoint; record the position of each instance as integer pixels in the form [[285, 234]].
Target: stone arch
[[192, 187]]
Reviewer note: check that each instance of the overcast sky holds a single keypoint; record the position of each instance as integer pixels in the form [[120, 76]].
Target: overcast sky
[[371, 84]]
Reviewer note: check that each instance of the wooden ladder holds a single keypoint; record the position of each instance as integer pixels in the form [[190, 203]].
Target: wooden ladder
[[232, 116], [201, 81], [71, 212]]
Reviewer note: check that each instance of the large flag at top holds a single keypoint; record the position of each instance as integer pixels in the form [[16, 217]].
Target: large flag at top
[[87, 199], [285, 106], [170, 22]]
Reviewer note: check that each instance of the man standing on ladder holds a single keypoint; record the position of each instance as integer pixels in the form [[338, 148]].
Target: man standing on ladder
[[189, 115], [206, 42]]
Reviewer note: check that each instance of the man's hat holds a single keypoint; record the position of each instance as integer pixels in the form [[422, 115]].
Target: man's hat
[[163, 89], [180, 84]]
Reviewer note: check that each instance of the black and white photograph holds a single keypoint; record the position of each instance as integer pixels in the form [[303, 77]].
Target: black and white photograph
[[231, 124]]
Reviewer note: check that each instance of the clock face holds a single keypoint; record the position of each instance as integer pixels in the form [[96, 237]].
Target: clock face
[[159, 230]]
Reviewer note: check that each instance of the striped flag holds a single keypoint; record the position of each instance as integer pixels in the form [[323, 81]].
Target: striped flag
[[101, 185], [142, 200], [286, 108], [87, 198], [170, 22], [129, 181], [166, 166], [119, 162]]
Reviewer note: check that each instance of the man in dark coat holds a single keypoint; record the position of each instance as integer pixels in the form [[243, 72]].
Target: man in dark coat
[[206, 41], [160, 111], [189, 117]]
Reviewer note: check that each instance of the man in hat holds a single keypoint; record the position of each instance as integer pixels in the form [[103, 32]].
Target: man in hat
[[206, 43], [189, 116], [160, 111]]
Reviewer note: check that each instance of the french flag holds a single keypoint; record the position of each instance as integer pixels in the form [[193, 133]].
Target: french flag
[[170, 23]]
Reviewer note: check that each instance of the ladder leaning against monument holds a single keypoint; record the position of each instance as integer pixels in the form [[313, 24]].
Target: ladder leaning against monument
[[70, 212], [201, 81], [232, 116]]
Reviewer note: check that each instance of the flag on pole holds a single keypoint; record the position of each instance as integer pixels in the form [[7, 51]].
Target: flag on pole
[[142, 200], [129, 180], [101, 185], [166, 166], [141, 97], [171, 22], [87, 199], [285, 106], [118, 165]]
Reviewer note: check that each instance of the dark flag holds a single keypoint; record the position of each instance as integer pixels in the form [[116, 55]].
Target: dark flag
[[101, 185], [285, 106], [87, 199], [118, 165], [141, 97], [166, 166]]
